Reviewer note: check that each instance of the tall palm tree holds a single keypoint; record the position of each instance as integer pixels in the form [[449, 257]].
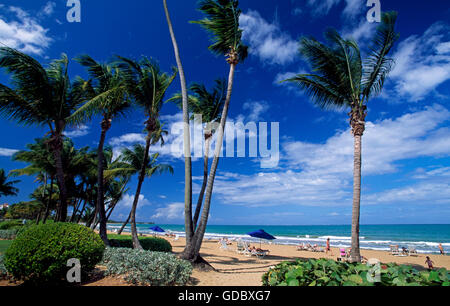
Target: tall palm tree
[[147, 84], [186, 132], [42, 97], [133, 161], [7, 187], [106, 95], [210, 106], [341, 79], [222, 22]]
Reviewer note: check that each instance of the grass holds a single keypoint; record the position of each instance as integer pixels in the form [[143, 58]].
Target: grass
[[4, 244]]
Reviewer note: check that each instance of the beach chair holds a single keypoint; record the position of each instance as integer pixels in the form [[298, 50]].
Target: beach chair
[[412, 251], [176, 238], [241, 247], [224, 245], [394, 250], [343, 255], [260, 253]]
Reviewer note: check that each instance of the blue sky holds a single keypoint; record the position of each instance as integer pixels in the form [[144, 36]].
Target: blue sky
[[406, 147]]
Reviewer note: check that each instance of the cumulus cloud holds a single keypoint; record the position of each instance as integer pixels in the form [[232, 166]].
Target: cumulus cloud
[[7, 152], [266, 39], [321, 174], [81, 131], [422, 62], [172, 211], [323, 7], [23, 32]]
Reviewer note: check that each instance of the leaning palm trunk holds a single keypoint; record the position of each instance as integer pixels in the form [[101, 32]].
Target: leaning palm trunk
[[106, 125], [205, 181], [187, 137], [192, 250], [124, 224], [136, 243]]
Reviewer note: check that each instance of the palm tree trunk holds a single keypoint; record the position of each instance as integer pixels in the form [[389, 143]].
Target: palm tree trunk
[[136, 243], [355, 255], [100, 191], [192, 251], [205, 181], [124, 224], [61, 213], [187, 137], [47, 209]]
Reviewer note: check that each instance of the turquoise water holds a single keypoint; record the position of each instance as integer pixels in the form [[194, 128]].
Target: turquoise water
[[425, 238]]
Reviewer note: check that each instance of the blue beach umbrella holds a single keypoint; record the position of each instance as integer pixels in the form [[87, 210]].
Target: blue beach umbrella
[[157, 229], [261, 234]]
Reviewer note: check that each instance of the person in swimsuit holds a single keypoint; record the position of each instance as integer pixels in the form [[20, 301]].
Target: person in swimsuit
[[430, 263], [441, 249], [328, 248]]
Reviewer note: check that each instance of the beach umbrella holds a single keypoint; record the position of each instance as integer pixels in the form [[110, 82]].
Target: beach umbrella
[[261, 234], [157, 229]]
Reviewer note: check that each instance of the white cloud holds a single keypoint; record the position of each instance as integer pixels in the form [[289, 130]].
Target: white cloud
[[422, 62], [321, 174], [7, 152], [23, 32], [256, 109], [127, 201], [80, 131], [323, 7], [128, 139], [172, 211], [48, 9], [266, 40]]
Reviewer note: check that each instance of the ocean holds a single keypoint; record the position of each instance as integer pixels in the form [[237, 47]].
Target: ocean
[[425, 238]]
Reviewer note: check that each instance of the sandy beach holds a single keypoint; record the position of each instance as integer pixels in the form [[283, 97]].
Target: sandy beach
[[234, 269]]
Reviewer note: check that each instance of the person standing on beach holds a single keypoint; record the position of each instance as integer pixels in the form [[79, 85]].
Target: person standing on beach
[[441, 249], [328, 248], [430, 263]]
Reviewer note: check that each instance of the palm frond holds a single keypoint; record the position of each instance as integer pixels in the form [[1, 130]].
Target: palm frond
[[378, 65]]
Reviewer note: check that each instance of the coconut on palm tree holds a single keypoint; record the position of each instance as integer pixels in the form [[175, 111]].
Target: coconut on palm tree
[[106, 94], [42, 97], [340, 78], [147, 85], [209, 105], [222, 22]]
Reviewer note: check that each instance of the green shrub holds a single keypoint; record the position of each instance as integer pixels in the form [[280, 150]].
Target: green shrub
[[148, 243], [8, 234], [11, 224], [324, 272], [3, 271], [40, 253], [142, 267]]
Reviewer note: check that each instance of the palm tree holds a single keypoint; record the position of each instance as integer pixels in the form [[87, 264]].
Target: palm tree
[[133, 161], [186, 133], [6, 187], [341, 79], [40, 97], [210, 106], [222, 21], [106, 94], [147, 85]]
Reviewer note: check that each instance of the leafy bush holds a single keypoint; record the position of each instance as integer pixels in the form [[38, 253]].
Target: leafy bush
[[3, 271], [40, 253], [142, 267], [12, 224], [324, 272], [148, 243], [8, 234]]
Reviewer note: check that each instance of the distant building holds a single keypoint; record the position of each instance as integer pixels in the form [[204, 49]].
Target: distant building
[[4, 206]]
